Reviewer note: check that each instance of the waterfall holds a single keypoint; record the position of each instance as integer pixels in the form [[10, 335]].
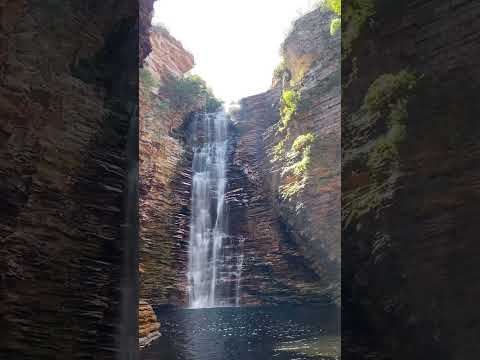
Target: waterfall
[[214, 268]]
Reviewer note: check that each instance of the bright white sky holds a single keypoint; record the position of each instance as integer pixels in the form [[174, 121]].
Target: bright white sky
[[235, 43]]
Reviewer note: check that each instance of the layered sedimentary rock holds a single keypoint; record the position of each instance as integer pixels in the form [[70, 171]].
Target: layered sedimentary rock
[[148, 325], [410, 178], [168, 57], [165, 185], [68, 97], [292, 243], [290, 246]]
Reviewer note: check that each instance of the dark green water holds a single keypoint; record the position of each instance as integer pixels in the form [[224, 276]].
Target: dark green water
[[251, 333]]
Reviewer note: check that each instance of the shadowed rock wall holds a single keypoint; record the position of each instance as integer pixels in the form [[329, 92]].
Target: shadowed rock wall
[[68, 95], [410, 179]]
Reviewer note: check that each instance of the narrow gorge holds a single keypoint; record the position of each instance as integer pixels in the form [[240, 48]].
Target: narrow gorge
[[240, 208], [145, 218]]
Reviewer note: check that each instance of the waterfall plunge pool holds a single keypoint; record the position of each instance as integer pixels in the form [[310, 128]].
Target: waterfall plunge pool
[[284, 332]]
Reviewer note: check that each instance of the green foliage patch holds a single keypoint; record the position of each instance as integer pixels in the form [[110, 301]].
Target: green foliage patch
[[280, 71], [290, 100], [147, 79], [389, 95], [387, 98], [279, 150], [335, 25], [302, 142], [291, 189], [302, 146], [190, 91], [334, 6], [383, 154], [387, 88], [356, 14]]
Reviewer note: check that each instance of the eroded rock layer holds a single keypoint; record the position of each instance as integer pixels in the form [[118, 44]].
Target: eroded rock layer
[[148, 325], [168, 57]]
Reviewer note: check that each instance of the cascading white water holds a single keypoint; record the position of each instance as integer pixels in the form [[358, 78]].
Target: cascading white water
[[213, 272]]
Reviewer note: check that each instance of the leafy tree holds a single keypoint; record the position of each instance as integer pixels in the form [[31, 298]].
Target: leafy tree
[[190, 91], [334, 6]]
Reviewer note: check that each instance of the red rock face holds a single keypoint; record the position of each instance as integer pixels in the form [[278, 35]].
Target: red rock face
[[299, 239], [168, 57], [165, 181], [275, 269]]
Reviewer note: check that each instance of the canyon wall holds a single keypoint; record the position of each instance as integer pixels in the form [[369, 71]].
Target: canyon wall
[[68, 104], [292, 244], [145, 15], [165, 179], [410, 178], [165, 184]]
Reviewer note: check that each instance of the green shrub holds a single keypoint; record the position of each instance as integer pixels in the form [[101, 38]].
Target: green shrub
[[289, 190], [212, 103], [335, 25], [290, 100], [279, 150], [387, 88], [382, 155], [299, 169], [302, 142], [389, 95], [298, 77], [356, 14], [334, 6], [280, 70], [190, 92], [146, 79]]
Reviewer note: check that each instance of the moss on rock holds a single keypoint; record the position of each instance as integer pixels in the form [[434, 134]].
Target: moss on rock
[[387, 98], [382, 93], [355, 15]]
